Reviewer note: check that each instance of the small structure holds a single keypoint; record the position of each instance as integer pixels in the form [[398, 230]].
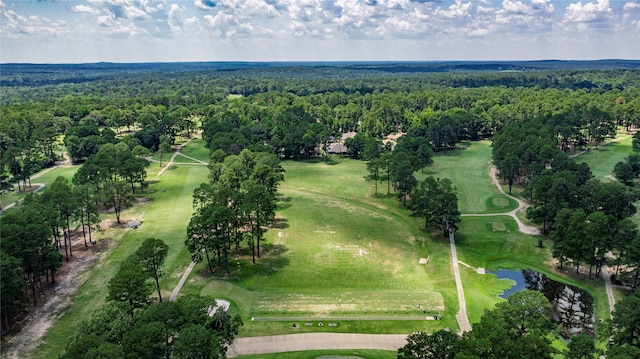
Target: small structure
[[338, 147]]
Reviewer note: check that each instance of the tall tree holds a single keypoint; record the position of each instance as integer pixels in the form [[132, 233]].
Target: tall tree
[[401, 173], [60, 196], [116, 195], [151, 255], [130, 285], [438, 345], [164, 146], [436, 201], [625, 320]]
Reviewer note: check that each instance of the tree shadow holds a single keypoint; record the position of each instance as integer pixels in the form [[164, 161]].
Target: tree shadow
[[280, 223], [283, 202]]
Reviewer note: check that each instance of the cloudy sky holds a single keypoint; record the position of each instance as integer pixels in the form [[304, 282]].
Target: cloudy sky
[[72, 31]]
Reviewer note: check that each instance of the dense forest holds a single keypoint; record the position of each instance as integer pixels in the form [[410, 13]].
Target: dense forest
[[110, 117]]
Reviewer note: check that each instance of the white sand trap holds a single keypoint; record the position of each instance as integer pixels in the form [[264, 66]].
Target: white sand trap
[[220, 303]]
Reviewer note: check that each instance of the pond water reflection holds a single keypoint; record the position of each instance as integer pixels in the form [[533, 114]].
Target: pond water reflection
[[571, 307]]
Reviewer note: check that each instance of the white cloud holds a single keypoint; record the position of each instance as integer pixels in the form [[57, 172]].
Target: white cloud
[[119, 27], [458, 10], [536, 16], [85, 9], [595, 11], [174, 20], [323, 28], [631, 17], [15, 25], [631, 6]]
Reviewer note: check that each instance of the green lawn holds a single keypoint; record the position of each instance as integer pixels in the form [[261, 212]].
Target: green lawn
[[196, 149], [602, 160], [47, 179], [468, 170], [339, 252]]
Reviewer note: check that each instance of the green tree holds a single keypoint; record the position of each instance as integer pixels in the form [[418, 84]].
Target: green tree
[[438, 345], [164, 146], [514, 329], [624, 173], [86, 197], [196, 342], [625, 321], [130, 284], [401, 173], [60, 196], [258, 207], [151, 255], [623, 352], [436, 201], [12, 287], [116, 195], [581, 347]]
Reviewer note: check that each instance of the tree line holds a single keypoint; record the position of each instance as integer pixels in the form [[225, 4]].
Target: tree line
[[520, 328], [586, 218], [291, 121], [37, 233]]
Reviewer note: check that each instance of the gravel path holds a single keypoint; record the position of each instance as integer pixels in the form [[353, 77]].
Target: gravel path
[[315, 341], [461, 316]]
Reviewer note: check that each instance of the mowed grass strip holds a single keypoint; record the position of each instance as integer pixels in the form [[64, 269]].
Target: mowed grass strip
[[326, 354], [196, 149], [164, 215], [348, 303]]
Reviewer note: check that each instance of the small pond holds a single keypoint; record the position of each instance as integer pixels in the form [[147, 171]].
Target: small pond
[[571, 307]]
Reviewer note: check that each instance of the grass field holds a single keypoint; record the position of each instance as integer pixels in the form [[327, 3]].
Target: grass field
[[602, 160], [339, 252], [335, 251], [468, 169], [47, 179]]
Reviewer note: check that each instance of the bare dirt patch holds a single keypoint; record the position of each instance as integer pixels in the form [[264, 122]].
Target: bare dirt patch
[[54, 299]]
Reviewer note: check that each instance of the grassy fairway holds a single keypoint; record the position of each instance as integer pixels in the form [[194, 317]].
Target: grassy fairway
[[339, 252], [468, 170], [165, 215], [602, 160]]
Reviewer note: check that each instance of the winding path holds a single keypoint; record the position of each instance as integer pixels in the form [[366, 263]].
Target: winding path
[[521, 205]]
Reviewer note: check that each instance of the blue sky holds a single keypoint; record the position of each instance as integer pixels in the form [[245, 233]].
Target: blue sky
[[73, 31]]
